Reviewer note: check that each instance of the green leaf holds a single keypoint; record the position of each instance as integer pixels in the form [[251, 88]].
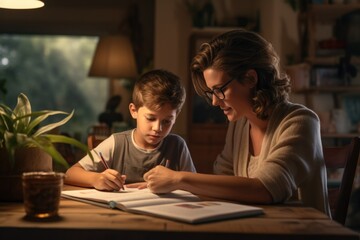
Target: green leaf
[[6, 122], [50, 127], [64, 139], [40, 117], [22, 108], [17, 130]]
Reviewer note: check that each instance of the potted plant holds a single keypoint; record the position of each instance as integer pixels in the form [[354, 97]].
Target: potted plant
[[26, 145]]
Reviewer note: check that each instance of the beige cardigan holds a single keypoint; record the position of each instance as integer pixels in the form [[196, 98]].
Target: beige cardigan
[[291, 157]]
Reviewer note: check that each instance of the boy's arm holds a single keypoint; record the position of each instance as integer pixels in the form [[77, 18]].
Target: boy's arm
[[77, 175], [107, 180]]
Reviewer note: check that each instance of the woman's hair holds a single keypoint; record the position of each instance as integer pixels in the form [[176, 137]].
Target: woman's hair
[[158, 87], [235, 53]]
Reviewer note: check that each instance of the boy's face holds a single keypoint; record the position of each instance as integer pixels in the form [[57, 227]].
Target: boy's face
[[152, 126]]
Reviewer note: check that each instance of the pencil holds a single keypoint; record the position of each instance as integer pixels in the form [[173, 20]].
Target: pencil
[[167, 163], [104, 163], [102, 159]]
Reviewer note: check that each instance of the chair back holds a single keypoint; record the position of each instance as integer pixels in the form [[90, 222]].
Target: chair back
[[94, 140], [97, 134], [345, 157]]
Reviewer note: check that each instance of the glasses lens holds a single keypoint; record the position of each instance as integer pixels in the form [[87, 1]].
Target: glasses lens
[[219, 93]]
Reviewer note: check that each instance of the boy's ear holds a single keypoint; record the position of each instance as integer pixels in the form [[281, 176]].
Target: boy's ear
[[133, 110]]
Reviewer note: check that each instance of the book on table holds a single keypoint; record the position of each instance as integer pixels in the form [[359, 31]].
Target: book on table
[[177, 205]]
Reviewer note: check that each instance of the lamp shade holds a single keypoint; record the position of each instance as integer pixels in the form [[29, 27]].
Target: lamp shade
[[21, 4], [113, 58]]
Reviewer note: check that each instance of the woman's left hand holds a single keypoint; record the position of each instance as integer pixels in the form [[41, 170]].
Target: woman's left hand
[[161, 179]]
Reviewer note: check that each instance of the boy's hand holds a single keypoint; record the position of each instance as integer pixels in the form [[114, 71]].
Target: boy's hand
[[109, 180]]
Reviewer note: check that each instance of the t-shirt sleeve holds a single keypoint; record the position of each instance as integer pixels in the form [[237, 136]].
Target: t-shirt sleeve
[[186, 162], [105, 147]]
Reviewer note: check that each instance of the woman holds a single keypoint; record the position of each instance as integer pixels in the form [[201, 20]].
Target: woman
[[273, 147]]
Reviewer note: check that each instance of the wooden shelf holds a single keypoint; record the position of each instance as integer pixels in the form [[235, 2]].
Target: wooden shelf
[[339, 135], [330, 12], [315, 17], [212, 30], [330, 60], [330, 89]]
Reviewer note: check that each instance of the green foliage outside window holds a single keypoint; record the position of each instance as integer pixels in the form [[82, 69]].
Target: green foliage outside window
[[52, 71]]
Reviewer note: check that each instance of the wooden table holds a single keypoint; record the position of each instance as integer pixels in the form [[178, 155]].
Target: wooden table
[[84, 221]]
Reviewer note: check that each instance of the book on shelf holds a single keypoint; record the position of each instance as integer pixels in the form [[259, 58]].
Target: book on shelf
[[177, 205]]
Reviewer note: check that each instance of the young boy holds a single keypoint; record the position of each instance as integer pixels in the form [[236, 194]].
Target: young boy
[[158, 97]]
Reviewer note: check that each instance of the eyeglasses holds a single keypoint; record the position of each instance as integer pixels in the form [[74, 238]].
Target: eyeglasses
[[218, 91]]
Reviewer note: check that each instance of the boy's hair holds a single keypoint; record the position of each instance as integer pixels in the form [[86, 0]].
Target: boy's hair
[[157, 87]]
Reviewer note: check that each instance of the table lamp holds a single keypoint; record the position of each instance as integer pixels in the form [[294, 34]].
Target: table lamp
[[114, 58]]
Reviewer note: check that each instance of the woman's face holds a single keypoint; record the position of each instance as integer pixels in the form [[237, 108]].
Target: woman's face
[[237, 101]]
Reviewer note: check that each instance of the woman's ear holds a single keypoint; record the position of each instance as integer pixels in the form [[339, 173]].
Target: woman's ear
[[133, 110], [252, 77]]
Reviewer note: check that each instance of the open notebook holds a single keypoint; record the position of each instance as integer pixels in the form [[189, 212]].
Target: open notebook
[[177, 205]]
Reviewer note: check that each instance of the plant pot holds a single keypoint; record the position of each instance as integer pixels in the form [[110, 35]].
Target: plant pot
[[26, 160]]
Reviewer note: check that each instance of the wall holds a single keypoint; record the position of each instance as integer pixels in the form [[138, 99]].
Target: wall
[[172, 31], [173, 28]]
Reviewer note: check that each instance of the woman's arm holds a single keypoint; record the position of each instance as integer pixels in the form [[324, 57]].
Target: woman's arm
[[233, 188]]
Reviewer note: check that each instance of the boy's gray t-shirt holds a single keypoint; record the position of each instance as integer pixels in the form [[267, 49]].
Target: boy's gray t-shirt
[[132, 161]]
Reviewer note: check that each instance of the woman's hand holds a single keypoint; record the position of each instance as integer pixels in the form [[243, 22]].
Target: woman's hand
[[138, 185], [109, 180], [162, 180]]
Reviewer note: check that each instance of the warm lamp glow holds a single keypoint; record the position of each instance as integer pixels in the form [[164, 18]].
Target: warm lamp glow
[[113, 58], [21, 4]]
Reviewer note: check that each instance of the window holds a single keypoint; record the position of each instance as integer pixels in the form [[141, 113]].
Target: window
[[52, 72]]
